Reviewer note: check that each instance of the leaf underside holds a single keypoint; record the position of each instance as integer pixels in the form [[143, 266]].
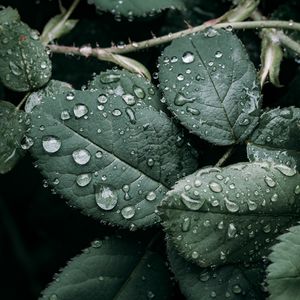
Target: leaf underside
[[115, 268], [231, 215], [210, 85], [113, 160], [277, 137]]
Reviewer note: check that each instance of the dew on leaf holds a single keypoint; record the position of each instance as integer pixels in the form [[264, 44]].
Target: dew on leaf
[[70, 96], [139, 92], [102, 99], [81, 156], [285, 170], [190, 203], [128, 212], [269, 181], [65, 115], [106, 198], [151, 196], [83, 179], [231, 206], [129, 99], [80, 110], [51, 143], [180, 99], [188, 57], [215, 187], [131, 115], [185, 226], [109, 78], [231, 231]]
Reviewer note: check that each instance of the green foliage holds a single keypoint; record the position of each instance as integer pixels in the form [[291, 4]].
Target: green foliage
[[111, 155], [284, 271], [227, 282], [24, 62], [114, 268], [12, 129], [210, 85], [219, 216], [277, 137], [131, 8]]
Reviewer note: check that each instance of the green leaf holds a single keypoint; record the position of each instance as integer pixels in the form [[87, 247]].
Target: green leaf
[[123, 82], [130, 8], [230, 215], [53, 88], [230, 282], [12, 129], [54, 30], [210, 85], [284, 272], [24, 62], [115, 268], [112, 156], [277, 137]]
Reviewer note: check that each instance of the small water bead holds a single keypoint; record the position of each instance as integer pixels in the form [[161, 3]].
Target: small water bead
[[99, 154], [81, 156], [151, 196], [180, 77], [96, 244], [192, 204], [236, 289], [150, 162], [218, 54], [80, 110], [274, 197], [231, 231], [193, 111], [195, 254], [267, 228], [15, 69], [139, 92], [231, 206], [51, 143], [109, 78], [221, 225], [65, 115], [116, 113], [106, 198], [204, 276], [83, 179], [70, 96], [210, 32], [297, 190], [102, 99], [185, 226], [100, 278], [215, 187], [252, 205], [131, 115], [53, 297], [188, 57], [129, 99], [285, 170], [197, 183], [269, 181], [44, 65], [128, 212]]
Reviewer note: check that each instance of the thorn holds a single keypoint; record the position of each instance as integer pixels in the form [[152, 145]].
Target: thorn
[[189, 26], [153, 35]]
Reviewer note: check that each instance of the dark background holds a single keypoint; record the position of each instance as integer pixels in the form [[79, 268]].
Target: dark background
[[39, 233]]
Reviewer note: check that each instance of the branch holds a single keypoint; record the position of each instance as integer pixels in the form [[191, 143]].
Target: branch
[[132, 47]]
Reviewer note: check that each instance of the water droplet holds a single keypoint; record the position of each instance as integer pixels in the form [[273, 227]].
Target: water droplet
[[51, 143], [188, 57], [231, 206], [285, 170], [139, 92], [151, 196], [109, 78], [192, 204], [215, 187], [231, 232], [81, 156], [180, 99], [252, 205], [83, 179], [195, 254], [96, 244], [99, 154], [128, 212], [218, 54], [44, 65], [197, 183], [269, 181], [236, 289], [102, 99], [180, 77], [267, 228], [274, 198], [210, 32], [116, 113], [70, 96], [150, 162], [204, 276], [53, 297], [297, 190], [106, 199], [131, 115], [80, 110], [193, 111], [185, 226], [65, 115], [129, 99], [16, 70]]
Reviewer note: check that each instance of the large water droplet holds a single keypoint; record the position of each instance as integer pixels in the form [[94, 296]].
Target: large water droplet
[[81, 156], [180, 99], [26, 143], [129, 99], [231, 206], [109, 78], [106, 198], [231, 232], [51, 143], [218, 54], [65, 115], [151, 196], [185, 226], [16, 70], [285, 170], [102, 99], [80, 110], [215, 187], [131, 115], [188, 57], [139, 92], [70, 96], [274, 197], [83, 179], [193, 111], [128, 212], [190, 203], [269, 181]]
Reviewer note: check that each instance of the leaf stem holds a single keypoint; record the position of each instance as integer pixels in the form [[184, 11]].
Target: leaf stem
[[288, 42], [225, 156], [22, 101], [135, 46]]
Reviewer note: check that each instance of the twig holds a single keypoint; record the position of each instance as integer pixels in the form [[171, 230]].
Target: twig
[[22, 101], [288, 42], [225, 156]]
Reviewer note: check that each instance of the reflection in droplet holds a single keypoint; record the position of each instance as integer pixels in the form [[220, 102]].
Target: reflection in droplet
[[51, 143]]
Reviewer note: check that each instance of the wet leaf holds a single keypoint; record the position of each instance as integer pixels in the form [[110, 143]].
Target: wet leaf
[[114, 268], [112, 156], [230, 215], [130, 8], [230, 282], [24, 62], [284, 271], [12, 129], [123, 82], [277, 137], [210, 85]]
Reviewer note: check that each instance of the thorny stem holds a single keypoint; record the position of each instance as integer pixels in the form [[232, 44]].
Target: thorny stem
[[132, 47], [225, 156]]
